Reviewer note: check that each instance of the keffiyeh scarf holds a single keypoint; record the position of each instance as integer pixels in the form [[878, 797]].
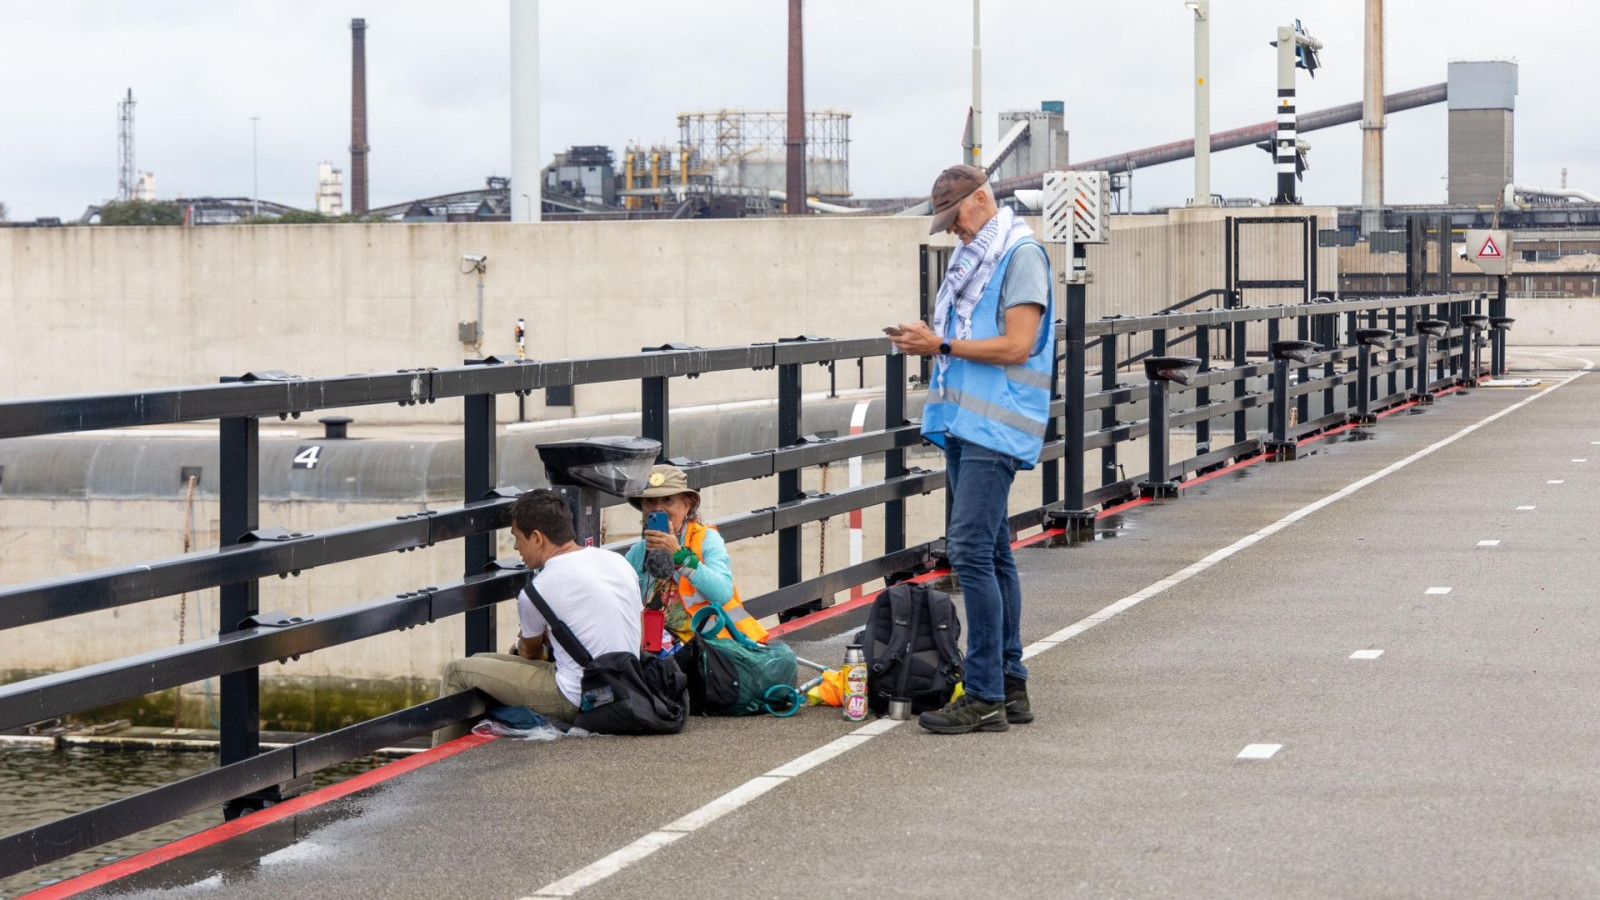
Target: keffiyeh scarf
[[971, 267]]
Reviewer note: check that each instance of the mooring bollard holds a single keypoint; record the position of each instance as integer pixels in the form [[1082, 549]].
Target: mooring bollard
[[1475, 325], [1426, 328], [1500, 325], [1163, 370], [1282, 447], [1369, 339]]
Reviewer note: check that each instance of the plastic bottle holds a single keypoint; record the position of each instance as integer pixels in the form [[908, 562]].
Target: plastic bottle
[[855, 683]]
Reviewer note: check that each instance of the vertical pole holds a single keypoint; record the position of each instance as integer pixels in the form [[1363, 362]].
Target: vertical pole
[[239, 513], [653, 398], [1372, 122], [789, 479], [975, 153], [1288, 142], [894, 461], [1423, 384], [1156, 478], [526, 160], [479, 475], [925, 294], [1202, 395], [1050, 472], [1076, 364], [1350, 323], [1497, 308], [1413, 352], [1364, 384], [1302, 404], [1108, 414], [795, 146], [1394, 353], [1202, 102]]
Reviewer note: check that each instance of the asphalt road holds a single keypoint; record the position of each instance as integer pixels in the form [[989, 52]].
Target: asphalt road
[[1463, 761]]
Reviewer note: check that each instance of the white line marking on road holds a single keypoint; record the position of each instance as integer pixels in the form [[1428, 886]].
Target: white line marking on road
[[1437, 590], [1557, 481], [609, 865], [1524, 508], [1488, 543], [1366, 654], [1580, 460], [1259, 751]]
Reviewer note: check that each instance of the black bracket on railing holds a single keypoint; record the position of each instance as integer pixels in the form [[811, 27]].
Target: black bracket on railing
[[275, 619], [270, 534], [270, 375]]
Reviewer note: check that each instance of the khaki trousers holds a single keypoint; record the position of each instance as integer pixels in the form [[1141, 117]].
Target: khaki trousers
[[511, 681]]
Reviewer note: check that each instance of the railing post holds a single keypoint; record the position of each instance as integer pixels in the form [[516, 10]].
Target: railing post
[[1202, 395], [1073, 516], [238, 514], [479, 477], [1284, 444], [654, 395], [789, 562], [894, 461], [1108, 414], [1160, 370], [1497, 310], [1241, 387], [1050, 471]]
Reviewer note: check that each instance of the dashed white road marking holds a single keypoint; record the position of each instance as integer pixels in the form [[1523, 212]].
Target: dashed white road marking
[[1366, 654], [612, 863], [1580, 460], [1557, 481], [1488, 543], [1437, 590], [1524, 508]]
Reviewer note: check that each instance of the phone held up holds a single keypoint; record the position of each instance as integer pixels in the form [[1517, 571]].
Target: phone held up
[[893, 331], [658, 521]]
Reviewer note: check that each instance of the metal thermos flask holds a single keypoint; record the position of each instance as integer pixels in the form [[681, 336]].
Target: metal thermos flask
[[855, 683]]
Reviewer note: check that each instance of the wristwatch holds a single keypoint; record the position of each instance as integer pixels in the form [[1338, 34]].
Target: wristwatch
[[944, 348]]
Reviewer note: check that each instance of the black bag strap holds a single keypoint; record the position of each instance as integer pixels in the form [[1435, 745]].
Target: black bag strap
[[944, 617], [563, 635], [899, 617], [919, 599]]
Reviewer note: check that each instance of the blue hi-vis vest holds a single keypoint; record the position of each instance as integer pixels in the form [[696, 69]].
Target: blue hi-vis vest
[[1002, 408]]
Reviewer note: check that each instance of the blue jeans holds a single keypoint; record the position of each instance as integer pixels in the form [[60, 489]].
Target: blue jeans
[[978, 542]]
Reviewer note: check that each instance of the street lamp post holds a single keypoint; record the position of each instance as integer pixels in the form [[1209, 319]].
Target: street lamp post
[[255, 167], [1202, 101]]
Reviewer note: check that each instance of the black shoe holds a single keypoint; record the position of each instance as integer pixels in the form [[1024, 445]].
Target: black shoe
[[965, 716], [1018, 712]]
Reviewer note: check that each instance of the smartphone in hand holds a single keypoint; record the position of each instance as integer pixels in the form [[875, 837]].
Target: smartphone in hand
[[658, 521], [893, 331]]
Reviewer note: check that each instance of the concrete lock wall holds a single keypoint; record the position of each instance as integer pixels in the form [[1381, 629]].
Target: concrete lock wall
[[96, 310]]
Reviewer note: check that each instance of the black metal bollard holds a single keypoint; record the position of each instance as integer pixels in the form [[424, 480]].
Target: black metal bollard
[[1475, 325], [1500, 325], [1426, 328], [1282, 447], [1369, 339], [1163, 370]]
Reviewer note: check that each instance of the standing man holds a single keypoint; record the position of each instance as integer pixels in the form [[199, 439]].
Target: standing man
[[594, 591], [987, 406]]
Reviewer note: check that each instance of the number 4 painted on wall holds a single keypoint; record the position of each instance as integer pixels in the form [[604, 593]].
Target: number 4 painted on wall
[[307, 457]]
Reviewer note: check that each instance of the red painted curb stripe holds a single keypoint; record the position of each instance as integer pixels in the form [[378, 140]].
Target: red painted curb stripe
[[213, 836]]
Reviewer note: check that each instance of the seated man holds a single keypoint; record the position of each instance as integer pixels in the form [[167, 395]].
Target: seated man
[[594, 591]]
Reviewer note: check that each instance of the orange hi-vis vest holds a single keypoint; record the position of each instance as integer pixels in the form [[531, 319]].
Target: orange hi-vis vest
[[695, 540]]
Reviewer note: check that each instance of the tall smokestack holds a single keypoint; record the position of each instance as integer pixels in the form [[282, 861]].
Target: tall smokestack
[[796, 144], [1372, 123], [527, 177], [358, 116]]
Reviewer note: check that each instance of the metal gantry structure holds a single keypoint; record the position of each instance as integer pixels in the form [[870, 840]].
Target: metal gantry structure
[[1099, 404]]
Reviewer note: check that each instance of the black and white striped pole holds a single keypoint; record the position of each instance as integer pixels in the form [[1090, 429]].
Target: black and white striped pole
[[1296, 49]]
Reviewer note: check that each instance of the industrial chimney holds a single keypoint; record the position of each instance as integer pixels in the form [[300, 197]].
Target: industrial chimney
[[795, 147], [358, 116]]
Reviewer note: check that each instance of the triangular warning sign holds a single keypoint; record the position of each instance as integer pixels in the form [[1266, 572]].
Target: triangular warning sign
[[1490, 249]]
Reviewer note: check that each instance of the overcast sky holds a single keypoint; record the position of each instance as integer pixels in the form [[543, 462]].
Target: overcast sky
[[621, 71]]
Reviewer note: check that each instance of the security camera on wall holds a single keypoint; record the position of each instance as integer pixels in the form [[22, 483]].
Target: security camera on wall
[[473, 258]]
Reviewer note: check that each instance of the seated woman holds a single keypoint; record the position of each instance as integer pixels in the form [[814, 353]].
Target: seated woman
[[685, 568]]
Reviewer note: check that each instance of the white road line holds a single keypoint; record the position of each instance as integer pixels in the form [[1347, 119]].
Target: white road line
[[613, 863], [1366, 654], [1580, 460], [1557, 481], [1524, 508], [1488, 543], [1259, 751], [1437, 590]]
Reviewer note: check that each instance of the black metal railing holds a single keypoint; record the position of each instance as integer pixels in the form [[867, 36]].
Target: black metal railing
[[1324, 387]]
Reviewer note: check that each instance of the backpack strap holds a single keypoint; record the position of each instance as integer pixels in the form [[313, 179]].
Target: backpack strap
[[918, 598], [563, 635], [943, 613], [899, 633]]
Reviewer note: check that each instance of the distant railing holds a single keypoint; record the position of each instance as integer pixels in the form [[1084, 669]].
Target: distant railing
[[248, 638]]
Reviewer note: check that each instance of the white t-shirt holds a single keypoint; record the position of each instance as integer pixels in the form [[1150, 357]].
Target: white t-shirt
[[596, 593]]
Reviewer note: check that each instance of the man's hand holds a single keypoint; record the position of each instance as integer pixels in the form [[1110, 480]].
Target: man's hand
[[530, 647], [916, 339]]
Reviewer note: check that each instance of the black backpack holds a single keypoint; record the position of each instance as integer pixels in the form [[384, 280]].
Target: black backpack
[[913, 648]]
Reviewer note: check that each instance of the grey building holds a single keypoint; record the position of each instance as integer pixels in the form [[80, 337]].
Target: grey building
[[1483, 102]]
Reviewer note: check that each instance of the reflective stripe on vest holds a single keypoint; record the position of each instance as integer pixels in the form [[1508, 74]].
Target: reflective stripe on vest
[[1003, 408], [733, 610]]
